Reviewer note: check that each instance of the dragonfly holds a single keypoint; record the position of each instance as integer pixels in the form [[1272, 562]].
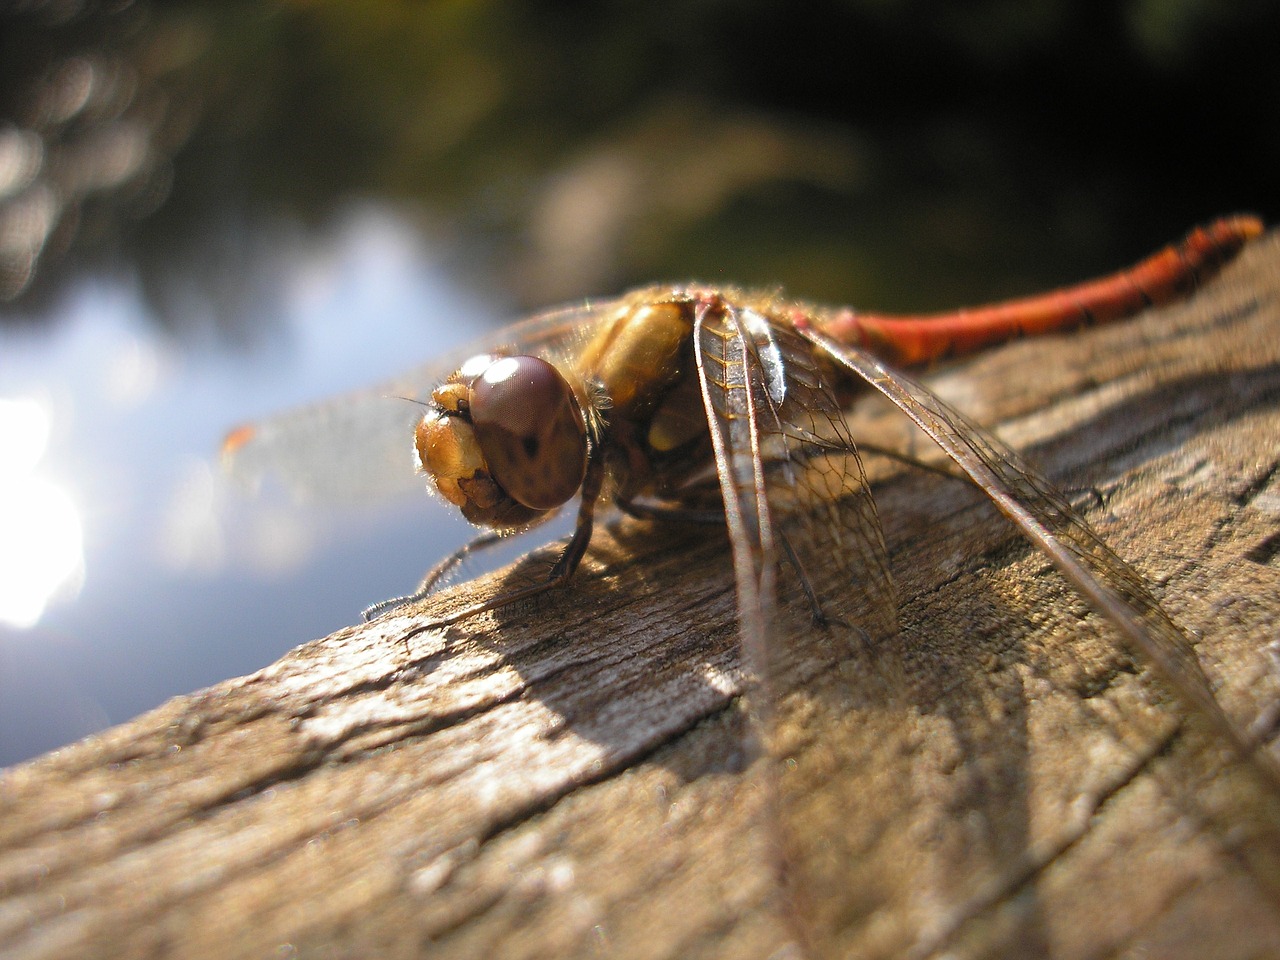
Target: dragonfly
[[703, 404]]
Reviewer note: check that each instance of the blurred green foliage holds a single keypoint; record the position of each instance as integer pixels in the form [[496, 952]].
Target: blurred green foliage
[[891, 153]]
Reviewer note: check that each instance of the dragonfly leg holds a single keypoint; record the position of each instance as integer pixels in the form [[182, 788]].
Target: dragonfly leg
[[669, 514], [435, 575], [1080, 497], [561, 571], [577, 546], [907, 459], [820, 617]]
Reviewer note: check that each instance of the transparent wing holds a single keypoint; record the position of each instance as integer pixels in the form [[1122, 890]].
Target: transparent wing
[[732, 391], [1045, 517], [817, 491], [794, 491], [360, 445]]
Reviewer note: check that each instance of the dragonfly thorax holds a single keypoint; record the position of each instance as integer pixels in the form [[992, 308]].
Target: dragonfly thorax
[[505, 440]]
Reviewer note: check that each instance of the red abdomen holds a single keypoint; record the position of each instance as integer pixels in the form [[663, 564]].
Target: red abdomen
[[1164, 276]]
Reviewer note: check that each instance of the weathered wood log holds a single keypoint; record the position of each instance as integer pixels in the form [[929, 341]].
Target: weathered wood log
[[573, 778]]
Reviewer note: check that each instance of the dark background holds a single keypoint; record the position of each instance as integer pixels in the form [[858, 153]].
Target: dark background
[[192, 160], [895, 153]]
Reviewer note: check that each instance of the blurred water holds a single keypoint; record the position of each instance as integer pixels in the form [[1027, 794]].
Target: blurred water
[[182, 580]]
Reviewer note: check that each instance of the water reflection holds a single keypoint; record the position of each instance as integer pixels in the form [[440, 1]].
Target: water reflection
[[183, 580], [88, 141], [41, 540]]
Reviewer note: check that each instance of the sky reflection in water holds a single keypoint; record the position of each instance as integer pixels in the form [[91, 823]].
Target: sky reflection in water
[[158, 576], [41, 536]]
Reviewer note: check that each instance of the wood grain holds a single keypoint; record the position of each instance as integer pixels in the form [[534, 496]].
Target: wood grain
[[574, 778]]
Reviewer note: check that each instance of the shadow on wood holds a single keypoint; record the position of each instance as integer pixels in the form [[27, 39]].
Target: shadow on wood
[[571, 778]]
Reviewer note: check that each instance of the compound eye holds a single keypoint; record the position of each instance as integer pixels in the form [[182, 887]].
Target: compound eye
[[531, 430]]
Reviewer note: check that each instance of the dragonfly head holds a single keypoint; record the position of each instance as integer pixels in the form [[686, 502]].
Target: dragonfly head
[[505, 440]]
